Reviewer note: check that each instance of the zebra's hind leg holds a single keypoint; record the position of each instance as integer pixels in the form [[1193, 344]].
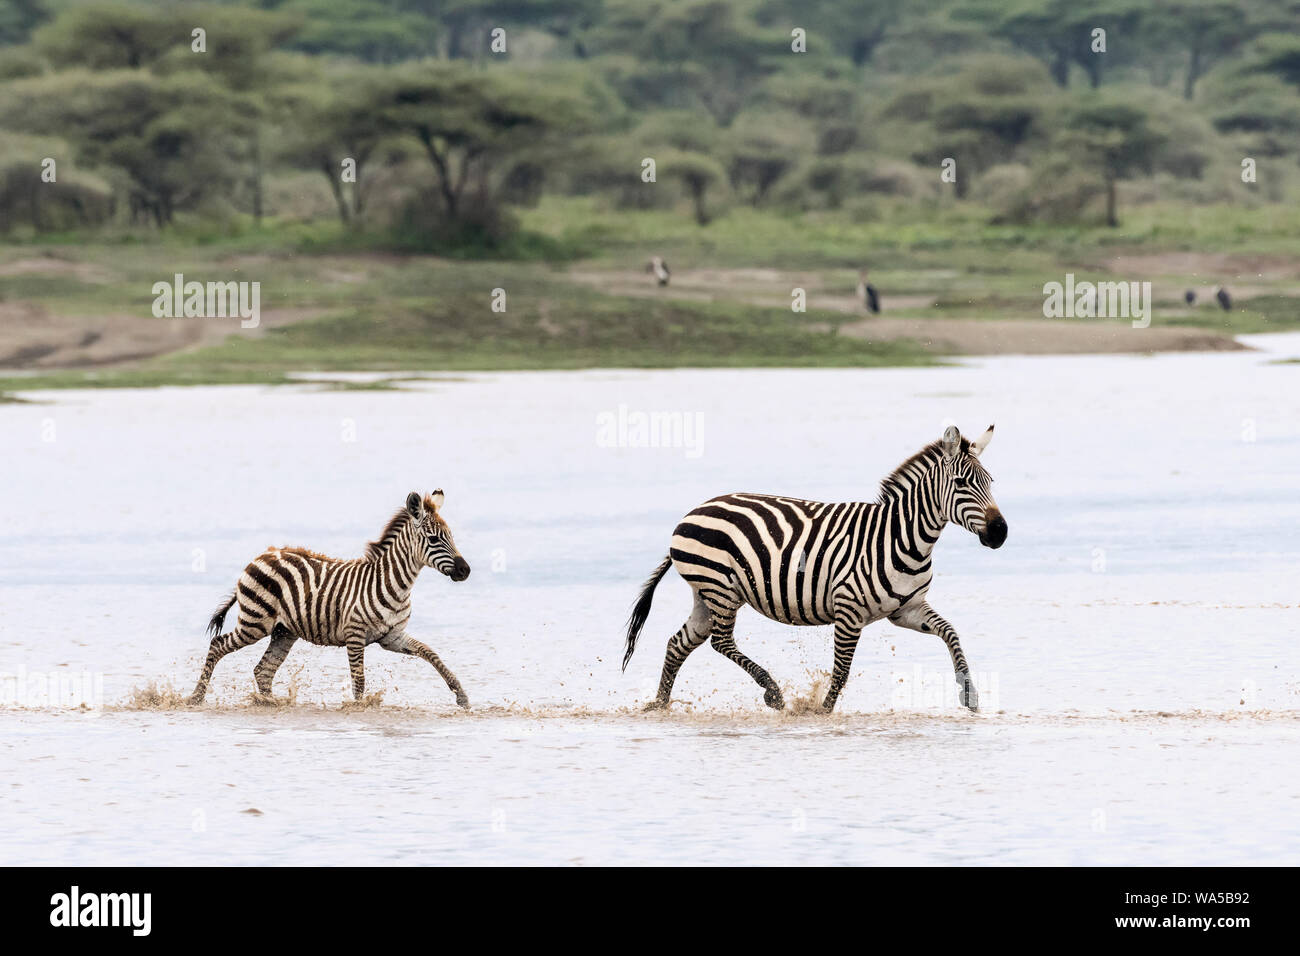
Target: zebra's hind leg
[[276, 652], [222, 645], [402, 644], [691, 635], [723, 642]]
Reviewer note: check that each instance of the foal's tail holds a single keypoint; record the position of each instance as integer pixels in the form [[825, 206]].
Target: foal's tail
[[218, 618], [642, 609]]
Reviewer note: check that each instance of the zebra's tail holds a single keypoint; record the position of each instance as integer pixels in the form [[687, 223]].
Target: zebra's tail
[[642, 609], [219, 617]]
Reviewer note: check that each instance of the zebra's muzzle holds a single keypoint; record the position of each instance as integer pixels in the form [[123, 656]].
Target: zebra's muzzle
[[994, 534], [459, 570]]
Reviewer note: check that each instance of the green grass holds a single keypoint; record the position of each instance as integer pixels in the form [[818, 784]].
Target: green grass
[[419, 318], [954, 235]]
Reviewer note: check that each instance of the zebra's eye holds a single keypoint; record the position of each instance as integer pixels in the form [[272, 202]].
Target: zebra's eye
[[961, 481]]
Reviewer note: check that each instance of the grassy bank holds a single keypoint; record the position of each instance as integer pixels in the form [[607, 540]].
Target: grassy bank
[[374, 310], [393, 313]]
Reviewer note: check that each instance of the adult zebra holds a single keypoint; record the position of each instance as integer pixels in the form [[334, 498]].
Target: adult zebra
[[809, 562], [292, 593]]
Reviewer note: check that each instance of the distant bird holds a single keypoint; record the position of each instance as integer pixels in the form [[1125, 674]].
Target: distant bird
[[1225, 300], [1190, 296], [867, 293], [660, 270]]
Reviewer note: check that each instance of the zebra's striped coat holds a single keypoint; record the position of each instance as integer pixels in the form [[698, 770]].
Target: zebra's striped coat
[[810, 562], [292, 594]]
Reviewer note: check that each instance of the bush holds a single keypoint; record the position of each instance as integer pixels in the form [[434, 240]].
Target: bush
[[74, 200], [830, 182], [1059, 191]]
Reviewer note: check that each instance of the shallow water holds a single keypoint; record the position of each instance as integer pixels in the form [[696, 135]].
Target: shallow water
[[1134, 642]]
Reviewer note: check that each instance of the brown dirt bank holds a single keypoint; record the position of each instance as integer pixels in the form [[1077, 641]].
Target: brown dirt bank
[[32, 337]]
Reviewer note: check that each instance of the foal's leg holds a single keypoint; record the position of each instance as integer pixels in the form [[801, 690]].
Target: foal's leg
[[724, 623], [223, 644], [403, 644], [691, 635], [921, 617], [276, 652]]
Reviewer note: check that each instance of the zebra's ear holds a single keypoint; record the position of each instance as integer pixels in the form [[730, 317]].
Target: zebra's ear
[[979, 444], [436, 499], [951, 441], [415, 505]]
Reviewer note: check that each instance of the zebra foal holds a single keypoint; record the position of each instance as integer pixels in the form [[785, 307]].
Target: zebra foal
[[292, 594], [809, 562]]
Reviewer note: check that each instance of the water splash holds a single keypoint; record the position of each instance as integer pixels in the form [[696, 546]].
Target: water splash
[[155, 695]]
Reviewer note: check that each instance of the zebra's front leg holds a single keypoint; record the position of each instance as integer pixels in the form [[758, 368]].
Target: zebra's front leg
[[921, 617], [356, 645], [847, 631], [404, 644]]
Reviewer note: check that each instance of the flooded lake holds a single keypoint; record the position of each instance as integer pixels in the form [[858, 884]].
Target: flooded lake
[[1134, 643]]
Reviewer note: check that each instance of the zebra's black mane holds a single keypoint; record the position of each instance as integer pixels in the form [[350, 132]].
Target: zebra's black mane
[[376, 548], [896, 480]]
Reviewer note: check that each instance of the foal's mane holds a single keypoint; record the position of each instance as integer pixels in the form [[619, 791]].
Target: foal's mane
[[375, 548]]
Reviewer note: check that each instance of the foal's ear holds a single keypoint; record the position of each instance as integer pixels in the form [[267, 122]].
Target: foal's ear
[[951, 441], [415, 505], [436, 499], [979, 444]]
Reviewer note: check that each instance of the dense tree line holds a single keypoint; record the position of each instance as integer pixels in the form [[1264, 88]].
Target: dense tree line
[[436, 116]]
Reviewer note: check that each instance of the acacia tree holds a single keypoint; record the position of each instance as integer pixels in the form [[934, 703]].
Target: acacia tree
[[370, 30], [168, 136], [470, 124], [980, 115], [1059, 32], [706, 50], [683, 144], [1207, 30], [762, 148], [179, 125], [852, 29], [464, 24], [1117, 137], [109, 36], [326, 122]]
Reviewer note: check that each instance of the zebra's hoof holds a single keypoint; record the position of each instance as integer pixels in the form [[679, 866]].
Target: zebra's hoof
[[774, 699], [967, 695], [195, 699], [463, 702], [655, 705]]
